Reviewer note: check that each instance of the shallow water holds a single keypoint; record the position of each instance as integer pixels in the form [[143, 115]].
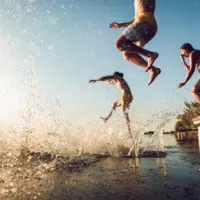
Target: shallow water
[[173, 177]]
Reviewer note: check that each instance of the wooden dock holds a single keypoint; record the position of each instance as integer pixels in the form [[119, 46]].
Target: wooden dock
[[186, 135]]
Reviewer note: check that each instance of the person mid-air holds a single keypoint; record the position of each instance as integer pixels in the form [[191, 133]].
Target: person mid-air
[[138, 33], [188, 51], [118, 80]]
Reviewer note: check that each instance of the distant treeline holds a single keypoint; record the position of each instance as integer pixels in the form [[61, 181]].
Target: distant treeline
[[152, 132], [184, 120]]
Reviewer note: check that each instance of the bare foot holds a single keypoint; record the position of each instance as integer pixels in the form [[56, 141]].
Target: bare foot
[[153, 56], [153, 74], [104, 119]]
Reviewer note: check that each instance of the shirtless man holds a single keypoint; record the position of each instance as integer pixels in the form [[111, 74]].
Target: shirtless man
[[118, 80], [139, 32], [187, 50]]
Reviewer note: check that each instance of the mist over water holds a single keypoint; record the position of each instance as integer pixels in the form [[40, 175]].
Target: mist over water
[[41, 123], [45, 127]]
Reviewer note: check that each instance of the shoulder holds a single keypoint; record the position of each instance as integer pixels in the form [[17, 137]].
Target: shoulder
[[194, 54], [122, 81]]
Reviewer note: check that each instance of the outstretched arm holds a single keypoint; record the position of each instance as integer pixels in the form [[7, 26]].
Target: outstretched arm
[[190, 71], [120, 25], [107, 79], [187, 67]]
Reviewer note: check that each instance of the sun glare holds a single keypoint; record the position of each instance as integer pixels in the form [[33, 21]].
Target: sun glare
[[10, 89]]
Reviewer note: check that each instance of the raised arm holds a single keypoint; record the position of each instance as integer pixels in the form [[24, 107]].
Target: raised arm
[[190, 71], [120, 25], [107, 79], [187, 67]]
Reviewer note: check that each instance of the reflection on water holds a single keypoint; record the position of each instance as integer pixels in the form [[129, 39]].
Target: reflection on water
[[175, 177]]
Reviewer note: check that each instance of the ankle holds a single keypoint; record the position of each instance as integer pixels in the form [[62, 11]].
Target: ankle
[[151, 53], [153, 69]]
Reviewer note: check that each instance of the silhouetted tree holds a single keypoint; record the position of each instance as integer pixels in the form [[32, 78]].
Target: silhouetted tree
[[190, 111]]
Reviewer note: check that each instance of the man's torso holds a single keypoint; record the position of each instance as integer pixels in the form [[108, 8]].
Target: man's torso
[[142, 6], [123, 86]]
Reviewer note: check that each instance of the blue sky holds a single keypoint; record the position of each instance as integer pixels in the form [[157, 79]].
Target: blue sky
[[72, 43]]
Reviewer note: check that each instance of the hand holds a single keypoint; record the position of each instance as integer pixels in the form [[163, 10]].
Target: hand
[[92, 81], [114, 25], [180, 85], [182, 57]]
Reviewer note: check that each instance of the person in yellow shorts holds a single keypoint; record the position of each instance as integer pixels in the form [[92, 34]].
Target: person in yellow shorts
[[138, 33], [126, 99]]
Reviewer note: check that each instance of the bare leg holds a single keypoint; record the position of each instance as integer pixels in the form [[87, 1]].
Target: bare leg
[[196, 91], [117, 103], [151, 56], [126, 45], [138, 60], [128, 123], [127, 120]]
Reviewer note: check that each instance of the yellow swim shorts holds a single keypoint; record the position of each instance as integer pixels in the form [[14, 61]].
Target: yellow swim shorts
[[147, 17], [126, 99], [142, 30]]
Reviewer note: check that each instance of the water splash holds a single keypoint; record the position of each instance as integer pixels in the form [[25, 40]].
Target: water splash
[[43, 124], [156, 142]]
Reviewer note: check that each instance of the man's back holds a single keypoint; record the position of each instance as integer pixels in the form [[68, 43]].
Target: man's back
[[122, 85], [197, 58], [144, 6]]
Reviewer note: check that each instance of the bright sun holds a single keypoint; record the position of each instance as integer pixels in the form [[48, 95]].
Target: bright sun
[[10, 92]]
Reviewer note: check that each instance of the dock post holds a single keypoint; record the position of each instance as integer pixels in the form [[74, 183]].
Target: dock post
[[197, 121], [199, 138]]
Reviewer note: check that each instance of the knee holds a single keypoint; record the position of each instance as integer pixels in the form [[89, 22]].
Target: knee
[[120, 44], [126, 55], [114, 105]]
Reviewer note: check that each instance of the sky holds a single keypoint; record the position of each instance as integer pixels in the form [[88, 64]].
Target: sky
[[68, 42]]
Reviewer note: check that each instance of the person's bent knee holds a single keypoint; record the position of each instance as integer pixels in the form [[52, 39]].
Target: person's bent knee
[[121, 44], [126, 55], [118, 45], [114, 105]]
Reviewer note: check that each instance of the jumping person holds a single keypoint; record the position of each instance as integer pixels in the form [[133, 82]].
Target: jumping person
[[118, 80], [138, 33], [187, 50]]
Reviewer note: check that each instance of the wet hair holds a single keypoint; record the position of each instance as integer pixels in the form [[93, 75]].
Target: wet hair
[[118, 74], [187, 46]]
